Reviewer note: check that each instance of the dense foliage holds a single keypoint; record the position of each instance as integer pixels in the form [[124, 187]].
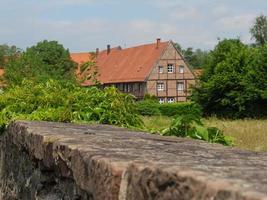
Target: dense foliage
[[65, 102], [151, 107], [234, 82], [46, 60]]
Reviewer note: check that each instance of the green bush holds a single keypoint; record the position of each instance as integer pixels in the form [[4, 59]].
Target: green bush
[[176, 109], [66, 102], [148, 107]]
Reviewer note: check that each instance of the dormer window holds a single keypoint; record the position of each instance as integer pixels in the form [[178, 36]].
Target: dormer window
[[181, 69], [160, 69], [170, 68]]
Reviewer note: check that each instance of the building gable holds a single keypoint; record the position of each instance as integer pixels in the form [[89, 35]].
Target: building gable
[[172, 73]]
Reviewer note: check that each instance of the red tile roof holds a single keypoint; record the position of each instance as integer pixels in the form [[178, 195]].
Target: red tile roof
[[124, 65]]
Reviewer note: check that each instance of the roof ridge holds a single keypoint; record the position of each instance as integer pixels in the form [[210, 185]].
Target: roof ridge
[[117, 47]]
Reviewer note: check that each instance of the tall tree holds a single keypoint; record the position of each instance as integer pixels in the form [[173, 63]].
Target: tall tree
[[259, 30]]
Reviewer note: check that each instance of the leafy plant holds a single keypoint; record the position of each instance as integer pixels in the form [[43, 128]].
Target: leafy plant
[[66, 102], [191, 126]]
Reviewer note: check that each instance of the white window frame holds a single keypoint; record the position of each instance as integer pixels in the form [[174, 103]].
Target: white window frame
[[171, 100], [181, 69], [170, 68], [180, 86], [160, 69], [161, 100], [160, 86]]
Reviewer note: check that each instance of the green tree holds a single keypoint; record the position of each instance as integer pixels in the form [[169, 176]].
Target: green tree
[[223, 88], [259, 30], [47, 59], [256, 82]]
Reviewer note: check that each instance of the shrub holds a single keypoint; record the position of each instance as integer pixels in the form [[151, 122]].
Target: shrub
[[175, 109], [151, 107], [65, 102], [148, 107]]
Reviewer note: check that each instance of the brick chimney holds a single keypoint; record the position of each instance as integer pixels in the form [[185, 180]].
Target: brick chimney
[[158, 42], [108, 48]]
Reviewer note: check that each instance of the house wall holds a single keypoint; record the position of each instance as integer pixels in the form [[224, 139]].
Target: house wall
[[137, 89], [170, 80]]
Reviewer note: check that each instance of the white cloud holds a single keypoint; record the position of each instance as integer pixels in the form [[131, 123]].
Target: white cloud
[[236, 23], [220, 11], [180, 12]]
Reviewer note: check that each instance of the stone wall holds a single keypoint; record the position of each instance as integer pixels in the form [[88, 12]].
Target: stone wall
[[41, 160]]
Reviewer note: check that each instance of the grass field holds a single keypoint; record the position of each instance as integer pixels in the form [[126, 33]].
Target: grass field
[[247, 134]]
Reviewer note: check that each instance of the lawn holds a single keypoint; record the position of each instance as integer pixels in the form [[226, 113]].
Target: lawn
[[248, 134]]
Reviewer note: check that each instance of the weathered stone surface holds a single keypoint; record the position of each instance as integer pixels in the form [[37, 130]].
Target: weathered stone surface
[[44, 160]]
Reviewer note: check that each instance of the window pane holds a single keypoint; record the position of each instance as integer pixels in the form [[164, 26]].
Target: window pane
[[181, 69], [170, 100], [180, 86], [160, 69], [161, 100], [170, 68], [160, 86]]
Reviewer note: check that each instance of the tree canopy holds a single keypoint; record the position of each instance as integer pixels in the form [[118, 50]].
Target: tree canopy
[[259, 30], [234, 81], [46, 60]]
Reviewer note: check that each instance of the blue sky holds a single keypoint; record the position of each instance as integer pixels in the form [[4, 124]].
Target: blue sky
[[83, 25]]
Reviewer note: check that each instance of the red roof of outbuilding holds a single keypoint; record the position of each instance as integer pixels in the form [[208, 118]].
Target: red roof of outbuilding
[[124, 65]]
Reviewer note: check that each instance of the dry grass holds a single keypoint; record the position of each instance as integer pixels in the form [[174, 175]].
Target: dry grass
[[247, 134]]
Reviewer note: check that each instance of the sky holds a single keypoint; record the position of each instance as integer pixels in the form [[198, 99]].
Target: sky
[[84, 25]]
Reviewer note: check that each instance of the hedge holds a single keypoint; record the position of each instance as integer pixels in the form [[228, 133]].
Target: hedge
[[149, 108]]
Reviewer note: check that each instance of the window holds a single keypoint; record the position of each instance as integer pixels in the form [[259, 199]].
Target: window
[[127, 87], [170, 68], [160, 86], [170, 100], [180, 86], [160, 69], [161, 100], [181, 69]]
